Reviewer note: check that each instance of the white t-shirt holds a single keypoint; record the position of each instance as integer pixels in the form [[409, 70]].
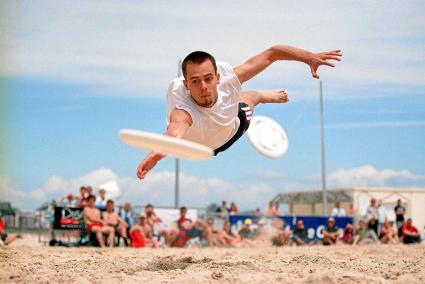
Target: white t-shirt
[[212, 126], [338, 212]]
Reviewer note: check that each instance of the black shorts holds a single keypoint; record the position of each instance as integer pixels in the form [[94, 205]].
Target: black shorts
[[244, 115]]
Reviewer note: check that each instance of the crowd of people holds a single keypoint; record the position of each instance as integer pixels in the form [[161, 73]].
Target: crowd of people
[[102, 225]]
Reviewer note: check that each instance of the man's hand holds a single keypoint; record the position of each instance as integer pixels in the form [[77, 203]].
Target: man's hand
[[318, 59], [147, 164]]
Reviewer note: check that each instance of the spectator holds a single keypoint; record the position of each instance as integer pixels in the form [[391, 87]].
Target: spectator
[[269, 212], [372, 215], [95, 224], [364, 235], [246, 234], [5, 238], [188, 227], [382, 216], [83, 196], [223, 211], [300, 235], [388, 233], [399, 216], [276, 210], [410, 234], [282, 236], [348, 237], [351, 210], [230, 238], [338, 211], [127, 214], [145, 229], [423, 235], [101, 200], [215, 237], [69, 201], [233, 209], [111, 218], [158, 227], [257, 212], [330, 233]]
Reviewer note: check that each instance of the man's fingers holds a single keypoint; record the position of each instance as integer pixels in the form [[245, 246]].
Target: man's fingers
[[328, 57], [324, 62], [314, 73]]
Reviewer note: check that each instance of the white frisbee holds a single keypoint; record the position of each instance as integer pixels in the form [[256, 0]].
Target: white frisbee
[[165, 145], [267, 137]]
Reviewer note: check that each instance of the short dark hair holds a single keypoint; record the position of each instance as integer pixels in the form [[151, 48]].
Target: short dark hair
[[90, 197], [183, 208], [198, 57], [110, 201]]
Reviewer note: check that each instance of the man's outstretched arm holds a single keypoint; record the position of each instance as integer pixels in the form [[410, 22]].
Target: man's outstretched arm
[[180, 121], [261, 61]]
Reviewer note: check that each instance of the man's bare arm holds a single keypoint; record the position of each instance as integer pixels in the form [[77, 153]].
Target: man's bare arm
[[261, 61], [180, 121]]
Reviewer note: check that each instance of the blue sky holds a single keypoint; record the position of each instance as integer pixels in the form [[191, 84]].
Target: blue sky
[[76, 73]]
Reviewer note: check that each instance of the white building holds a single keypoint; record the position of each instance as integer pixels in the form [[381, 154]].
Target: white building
[[310, 202]]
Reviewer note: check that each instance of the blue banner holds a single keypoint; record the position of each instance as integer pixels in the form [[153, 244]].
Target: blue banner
[[313, 224]]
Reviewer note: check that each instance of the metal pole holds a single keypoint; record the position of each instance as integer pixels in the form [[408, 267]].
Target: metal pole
[[177, 180], [322, 144]]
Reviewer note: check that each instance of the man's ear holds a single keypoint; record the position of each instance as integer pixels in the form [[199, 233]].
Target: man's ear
[[185, 84], [218, 78]]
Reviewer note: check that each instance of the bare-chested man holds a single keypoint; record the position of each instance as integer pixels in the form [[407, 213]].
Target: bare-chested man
[[95, 224], [146, 230], [111, 218]]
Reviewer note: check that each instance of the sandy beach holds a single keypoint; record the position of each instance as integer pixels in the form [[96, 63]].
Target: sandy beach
[[27, 261]]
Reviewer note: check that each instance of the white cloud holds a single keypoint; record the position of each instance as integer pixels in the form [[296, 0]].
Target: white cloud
[[136, 45], [368, 175], [10, 193]]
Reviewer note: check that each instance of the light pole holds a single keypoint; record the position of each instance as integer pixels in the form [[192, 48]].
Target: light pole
[[322, 144]]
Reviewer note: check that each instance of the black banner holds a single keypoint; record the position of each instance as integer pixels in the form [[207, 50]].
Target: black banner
[[68, 218]]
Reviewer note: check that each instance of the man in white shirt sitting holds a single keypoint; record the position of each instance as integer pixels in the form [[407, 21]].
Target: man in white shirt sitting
[[338, 211]]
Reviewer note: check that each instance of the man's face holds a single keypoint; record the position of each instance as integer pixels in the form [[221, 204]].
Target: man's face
[[300, 224], [90, 202], [331, 224], [183, 213], [202, 80], [110, 206]]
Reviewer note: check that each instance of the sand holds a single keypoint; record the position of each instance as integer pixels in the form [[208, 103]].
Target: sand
[[27, 261]]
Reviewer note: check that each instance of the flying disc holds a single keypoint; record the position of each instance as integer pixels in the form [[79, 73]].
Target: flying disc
[[165, 145], [267, 137]]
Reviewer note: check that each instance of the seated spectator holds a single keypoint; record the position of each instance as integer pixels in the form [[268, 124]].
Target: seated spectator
[[300, 235], [246, 234], [410, 234], [111, 218], [188, 228], [101, 200], [389, 233], [83, 197], [158, 227], [372, 215], [364, 234], [5, 238], [126, 213], [215, 237], [230, 238], [338, 211], [69, 201], [269, 212], [351, 210], [348, 237], [330, 233], [233, 209], [144, 228], [283, 236], [95, 224]]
